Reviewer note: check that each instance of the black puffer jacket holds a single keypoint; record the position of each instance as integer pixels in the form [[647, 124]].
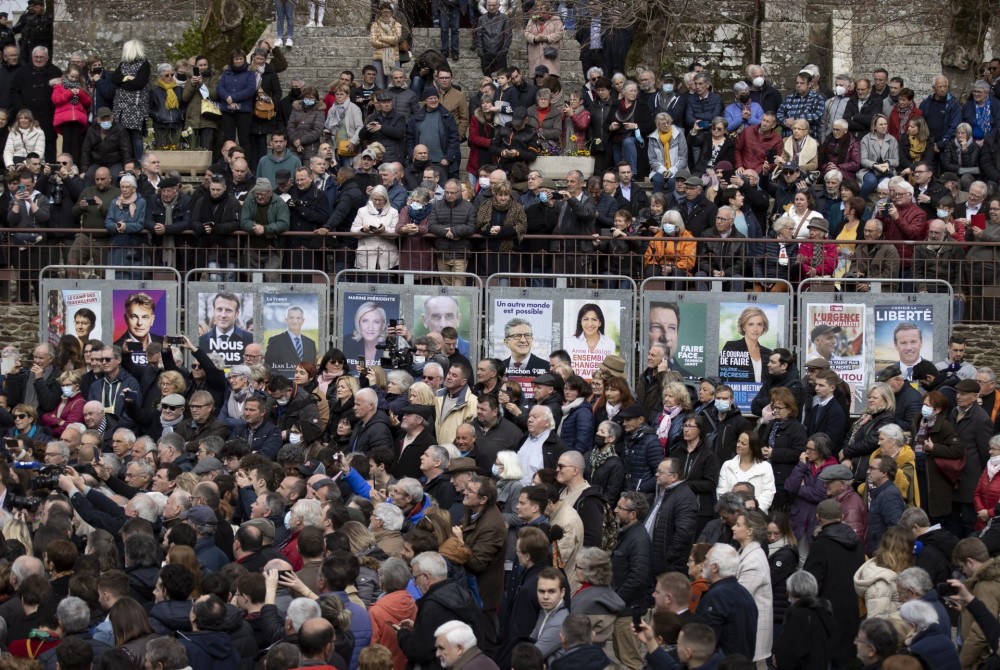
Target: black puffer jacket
[[105, 148], [783, 563]]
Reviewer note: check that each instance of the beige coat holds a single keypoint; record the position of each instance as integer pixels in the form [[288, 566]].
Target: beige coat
[[877, 585], [553, 31], [376, 252]]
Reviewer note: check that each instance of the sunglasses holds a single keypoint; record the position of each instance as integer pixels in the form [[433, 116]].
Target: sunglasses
[[218, 178], [195, 366], [106, 359], [20, 416], [163, 406]]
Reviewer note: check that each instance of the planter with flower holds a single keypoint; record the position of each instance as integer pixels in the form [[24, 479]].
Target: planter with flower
[[179, 150]]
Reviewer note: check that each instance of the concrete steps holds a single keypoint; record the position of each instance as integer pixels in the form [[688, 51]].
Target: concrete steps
[[319, 55]]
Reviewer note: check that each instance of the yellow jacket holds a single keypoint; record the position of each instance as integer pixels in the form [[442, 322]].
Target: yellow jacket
[[906, 475]]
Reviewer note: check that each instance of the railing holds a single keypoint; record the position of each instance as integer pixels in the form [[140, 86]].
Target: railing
[[973, 270]]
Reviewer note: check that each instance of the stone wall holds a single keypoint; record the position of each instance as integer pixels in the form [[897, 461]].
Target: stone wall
[[19, 326]]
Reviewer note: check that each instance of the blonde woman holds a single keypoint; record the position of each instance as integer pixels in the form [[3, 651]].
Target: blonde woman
[[875, 580], [746, 354], [421, 393], [24, 137], [508, 472]]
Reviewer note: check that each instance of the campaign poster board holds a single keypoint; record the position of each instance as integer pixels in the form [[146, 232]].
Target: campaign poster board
[[591, 332], [140, 319], [747, 336], [525, 352], [836, 332], [224, 323], [904, 335], [365, 320], [290, 330], [75, 312], [681, 328], [432, 313]]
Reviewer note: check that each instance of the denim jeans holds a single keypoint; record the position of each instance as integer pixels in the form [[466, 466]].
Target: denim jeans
[[449, 18], [659, 181], [868, 183], [285, 11], [627, 151]]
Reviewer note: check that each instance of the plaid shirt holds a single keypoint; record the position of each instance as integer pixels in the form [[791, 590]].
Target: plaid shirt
[[809, 108]]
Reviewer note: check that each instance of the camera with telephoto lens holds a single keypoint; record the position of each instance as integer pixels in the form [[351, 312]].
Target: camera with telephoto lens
[[48, 477], [30, 503], [396, 352]]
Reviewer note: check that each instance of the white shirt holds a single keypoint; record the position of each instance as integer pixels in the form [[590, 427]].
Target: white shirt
[[531, 457]]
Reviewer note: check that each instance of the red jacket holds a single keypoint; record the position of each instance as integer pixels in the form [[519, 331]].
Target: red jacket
[[894, 128], [986, 496], [291, 552], [387, 610], [751, 148], [855, 512], [66, 111], [72, 412], [911, 225]]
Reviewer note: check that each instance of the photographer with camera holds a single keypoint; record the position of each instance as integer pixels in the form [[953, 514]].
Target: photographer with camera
[[309, 209]]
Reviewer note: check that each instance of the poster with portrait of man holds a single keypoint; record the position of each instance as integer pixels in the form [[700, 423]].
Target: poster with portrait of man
[[679, 327], [366, 323], [904, 336], [591, 332], [291, 330], [225, 324], [73, 312], [433, 313], [522, 339], [140, 319], [836, 333]]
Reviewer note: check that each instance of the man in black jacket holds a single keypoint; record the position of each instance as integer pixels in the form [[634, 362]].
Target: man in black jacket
[[309, 211], [781, 372], [576, 218], [516, 142], [452, 222], [104, 145], [630, 572], [35, 29], [350, 199], [30, 89], [672, 520], [372, 429], [698, 212], [725, 258], [388, 127]]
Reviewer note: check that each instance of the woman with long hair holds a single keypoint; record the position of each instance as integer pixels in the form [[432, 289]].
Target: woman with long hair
[[749, 465], [501, 220], [915, 145], [617, 396], [576, 428], [875, 580], [699, 463], [332, 366], [184, 555], [676, 402], [934, 439], [589, 337], [754, 574], [783, 559], [879, 155], [130, 626], [784, 439], [72, 102]]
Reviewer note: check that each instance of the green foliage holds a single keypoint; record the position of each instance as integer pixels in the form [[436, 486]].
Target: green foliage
[[216, 44]]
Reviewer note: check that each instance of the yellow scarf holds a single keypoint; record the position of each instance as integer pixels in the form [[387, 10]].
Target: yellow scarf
[[172, 102], [665, 141], [917, 149]]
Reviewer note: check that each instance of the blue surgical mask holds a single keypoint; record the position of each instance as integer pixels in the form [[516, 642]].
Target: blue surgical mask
[[288, 519], [105, 125], [67, 391], [942, 213], [722, 406], [668, 88], [295, 438], [543, 197], [308, 102], [416, 206], [495, 470], [926, 411], [669, 228]]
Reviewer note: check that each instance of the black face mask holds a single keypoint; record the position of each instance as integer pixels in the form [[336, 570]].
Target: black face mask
[[295, 93], [420, 164], [743, 99]]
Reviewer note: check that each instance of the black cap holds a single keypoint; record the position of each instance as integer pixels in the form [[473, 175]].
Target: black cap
[[169, 182], [282, 176], [519, 114], [822, 330], [888, 373], [36, 2], [633, 411], [426, 412], [382, 96], [925, 368], [541, 70], [549, 379]]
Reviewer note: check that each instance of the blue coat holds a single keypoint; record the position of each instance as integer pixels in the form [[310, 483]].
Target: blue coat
[[935, 649], [732, 613], [577, 428], [702, 111], [210, 649], [969, 116], [942, 118], [241, 85], [885, 507], [643, 453]]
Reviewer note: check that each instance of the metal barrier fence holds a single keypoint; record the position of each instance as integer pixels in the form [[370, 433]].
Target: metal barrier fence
[[971, 269]]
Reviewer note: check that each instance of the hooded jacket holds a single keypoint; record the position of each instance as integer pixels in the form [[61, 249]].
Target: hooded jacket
[[210, 649], [387, 610], [834, 557], [985, 586], [877, 585]]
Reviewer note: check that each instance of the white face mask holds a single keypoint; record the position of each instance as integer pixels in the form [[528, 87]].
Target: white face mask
[[484, 182], [758, 82], [419, 359], [839, 90], [288, 519], [668, 88], [295, 438], [495, 470]]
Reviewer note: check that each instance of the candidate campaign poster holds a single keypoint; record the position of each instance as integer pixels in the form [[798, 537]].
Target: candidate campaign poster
[[432, 313], [680, 328], [225, 324], [904, 335], [522, 339], [747, 335], [73, 312], [366, 322], [291, 330], [591, 332], [140, 318], [836, 333]]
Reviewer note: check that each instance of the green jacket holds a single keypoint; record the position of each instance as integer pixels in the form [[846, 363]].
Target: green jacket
[[278, 221]]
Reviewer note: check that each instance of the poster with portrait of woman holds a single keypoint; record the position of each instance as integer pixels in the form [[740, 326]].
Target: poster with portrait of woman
[[366, 320], [591, 331], [74, 312], [747, 335]]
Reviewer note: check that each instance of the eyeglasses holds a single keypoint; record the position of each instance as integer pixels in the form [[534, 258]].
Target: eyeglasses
[[520, 336], [196, 406], [20, 416], [430, 378], [106, 359], [689, 425], [560, 466], [778, 407], [218, 179]]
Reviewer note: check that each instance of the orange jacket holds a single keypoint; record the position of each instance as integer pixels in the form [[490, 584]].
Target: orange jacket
[[680, 253]]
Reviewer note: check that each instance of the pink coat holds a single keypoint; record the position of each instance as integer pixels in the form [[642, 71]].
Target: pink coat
[[553, 30], [72, 412], [66, 111]]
